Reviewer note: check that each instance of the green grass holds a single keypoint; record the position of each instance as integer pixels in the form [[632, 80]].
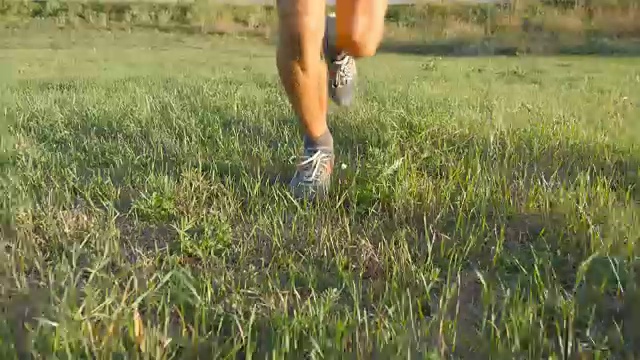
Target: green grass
[[486, 206]]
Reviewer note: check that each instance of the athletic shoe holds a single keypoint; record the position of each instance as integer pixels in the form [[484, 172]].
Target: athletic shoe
[[313, 173], [342, 69]]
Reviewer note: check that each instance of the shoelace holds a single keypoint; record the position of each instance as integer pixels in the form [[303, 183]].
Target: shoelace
[[345, 71], [314, 166]]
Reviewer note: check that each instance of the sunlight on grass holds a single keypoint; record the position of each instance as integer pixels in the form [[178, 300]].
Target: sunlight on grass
[[486, 206]]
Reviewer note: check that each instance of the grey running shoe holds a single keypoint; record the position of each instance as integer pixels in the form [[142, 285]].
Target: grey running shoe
[[342, 69], [313, 173]]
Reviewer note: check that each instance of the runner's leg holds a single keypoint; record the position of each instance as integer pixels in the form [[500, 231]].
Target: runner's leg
[[360, 26], [355, 31], [301, 70], [304, 77]]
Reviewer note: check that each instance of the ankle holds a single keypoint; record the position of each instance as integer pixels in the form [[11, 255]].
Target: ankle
[[324, 141]]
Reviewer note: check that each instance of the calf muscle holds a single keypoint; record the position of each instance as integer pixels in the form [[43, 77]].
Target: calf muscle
[[300, 66]]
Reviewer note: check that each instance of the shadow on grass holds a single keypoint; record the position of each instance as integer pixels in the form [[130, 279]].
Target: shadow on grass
[[553, 243], [457, 228], [461, 47]]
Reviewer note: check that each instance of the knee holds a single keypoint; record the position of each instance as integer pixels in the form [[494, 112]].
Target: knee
[[360, 41], [300, 40], [360, 44]]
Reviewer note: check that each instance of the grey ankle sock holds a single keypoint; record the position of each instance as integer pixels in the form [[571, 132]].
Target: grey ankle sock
[[324, 141]]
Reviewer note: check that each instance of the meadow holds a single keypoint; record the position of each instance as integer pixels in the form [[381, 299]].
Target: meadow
[[483, 207]]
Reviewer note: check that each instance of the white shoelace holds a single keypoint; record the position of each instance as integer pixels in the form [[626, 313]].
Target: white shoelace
[[345, 71], [314, 166]]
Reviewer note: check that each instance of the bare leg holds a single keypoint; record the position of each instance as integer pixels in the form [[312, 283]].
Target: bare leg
[[304, 77], [355, 31], [300, 66], [360, 26]]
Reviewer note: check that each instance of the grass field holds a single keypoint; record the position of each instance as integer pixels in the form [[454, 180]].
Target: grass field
[[482, 206]]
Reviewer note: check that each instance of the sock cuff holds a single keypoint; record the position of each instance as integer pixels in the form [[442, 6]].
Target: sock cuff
[[324, 141]]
